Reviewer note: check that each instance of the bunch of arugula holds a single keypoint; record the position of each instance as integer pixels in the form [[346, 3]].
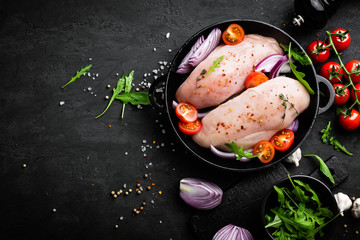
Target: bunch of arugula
[[325, 137], [135, 98], [300, 214]]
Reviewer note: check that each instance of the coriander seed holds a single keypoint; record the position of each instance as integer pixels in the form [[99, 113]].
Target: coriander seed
[[126, 193], [115, 196], [137, 212], [146, 175], [134, 210], [118, 193], [112, 193], [130, 190], [24, 165], [148, 188], [106, 97], [108, 86], [116, 226], [54, 210], [139, 192], [141, 208], [144, 203], [138, 185]]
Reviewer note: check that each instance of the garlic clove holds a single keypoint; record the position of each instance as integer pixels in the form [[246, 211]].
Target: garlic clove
[[200, 194], [295, 157], [232, 232], [355, 210], [343, 201]]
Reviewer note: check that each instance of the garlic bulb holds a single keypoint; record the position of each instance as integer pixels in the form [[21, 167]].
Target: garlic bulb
[[232, 232], [295, 157], [355, 210], [200, 194], [343, 201]]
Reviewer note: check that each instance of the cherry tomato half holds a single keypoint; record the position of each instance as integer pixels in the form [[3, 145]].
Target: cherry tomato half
[[341, 96], [254, 79], [332, 72], [318, 51], [190, 128], [265, 150], [234, 34], [283, 139], [357, 86], [342, 40], [353, 67], [186, 112], [351, 122]]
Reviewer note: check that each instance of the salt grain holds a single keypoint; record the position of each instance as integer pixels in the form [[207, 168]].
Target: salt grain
[[154, 49], [89, 88], [90, 59], [61, 103], [168, 35], [89, 74], [121, 218], [124, 186], [169, 50], [126, 153]]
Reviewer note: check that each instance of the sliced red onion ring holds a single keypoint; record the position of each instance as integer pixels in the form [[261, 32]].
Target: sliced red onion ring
[[294, 126], [268, 63], [174, 104], [200, 194], [210, 43], [184, 66], [275, 71], [229, 155], [232, 232]]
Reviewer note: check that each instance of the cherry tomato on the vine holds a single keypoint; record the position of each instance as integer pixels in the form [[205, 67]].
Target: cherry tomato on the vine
[[234, 34], [318, 51], [342, 40], [283, 139], [341, 95], [350, 122], [353, 67], [186, 112], [357, 86], [265, 150], [254, 79], [332, 72], [190, 128]]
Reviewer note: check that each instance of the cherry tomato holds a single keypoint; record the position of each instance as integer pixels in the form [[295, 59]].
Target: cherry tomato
[[332, 72], [351, 122], [186, 112], [282, 140], [357, 86], [234, 34], [265, 150], [353, 67], [254, 79], [190, 128], [341, 96], [318, 51], [342, 40]]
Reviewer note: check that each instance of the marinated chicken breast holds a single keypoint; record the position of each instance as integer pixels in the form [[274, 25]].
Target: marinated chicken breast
[[255, 115], [229, 78]]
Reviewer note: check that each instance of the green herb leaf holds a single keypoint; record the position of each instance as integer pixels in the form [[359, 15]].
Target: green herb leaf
[[326, 133], [135, 98], [239, 151], [337, 145], [128, 86], [323, 167], [78, 74], [215, 65], [299, 75], [298, 55], [276, 222]]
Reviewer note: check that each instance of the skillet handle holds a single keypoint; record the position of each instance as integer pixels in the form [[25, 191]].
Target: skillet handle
[[157, 93], [327, 83]]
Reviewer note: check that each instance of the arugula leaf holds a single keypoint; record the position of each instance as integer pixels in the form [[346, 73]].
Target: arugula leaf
[[135, 98], [239, 151], [326, 133], [309, 189], [276, 222], [337, 145], [323, 167], [128, 86], [299, 75], [78, 74], [215, 65], [298, 55], [116, 91]]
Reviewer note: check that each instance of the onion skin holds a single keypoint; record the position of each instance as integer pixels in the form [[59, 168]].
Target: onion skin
[[229, 155], [275, 71], [294, 126], [200, 194], [268, 63], [210, 43], [232, 232], [184, 66]]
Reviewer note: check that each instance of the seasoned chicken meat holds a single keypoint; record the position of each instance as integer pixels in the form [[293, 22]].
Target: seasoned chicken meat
[[229, 77], [255, 115]]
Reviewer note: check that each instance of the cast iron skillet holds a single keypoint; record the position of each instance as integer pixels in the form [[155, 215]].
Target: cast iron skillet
[[173, 80]]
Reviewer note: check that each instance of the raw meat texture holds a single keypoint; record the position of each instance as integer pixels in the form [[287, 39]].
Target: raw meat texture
[[254, 115], [229, 78]]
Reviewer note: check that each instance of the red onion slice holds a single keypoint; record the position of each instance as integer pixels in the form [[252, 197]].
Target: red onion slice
[[232, 232], [211, 42], [275, 71], [200, 194], [294, 126], [229, 155], [268, 63], [184, 66]]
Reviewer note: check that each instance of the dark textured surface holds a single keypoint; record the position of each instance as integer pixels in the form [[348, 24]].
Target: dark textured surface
[[74, 161]]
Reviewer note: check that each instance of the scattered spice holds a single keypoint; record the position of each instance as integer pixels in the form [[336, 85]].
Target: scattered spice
[[24, 165], [54, 210], [108, 86]]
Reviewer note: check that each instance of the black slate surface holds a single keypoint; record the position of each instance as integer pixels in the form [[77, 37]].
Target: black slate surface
[[74, 161]]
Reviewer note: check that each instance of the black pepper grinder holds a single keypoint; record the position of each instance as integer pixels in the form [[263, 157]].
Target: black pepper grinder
[[314, 14]]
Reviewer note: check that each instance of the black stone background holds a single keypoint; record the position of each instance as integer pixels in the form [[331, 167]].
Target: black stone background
[[74, 161]]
